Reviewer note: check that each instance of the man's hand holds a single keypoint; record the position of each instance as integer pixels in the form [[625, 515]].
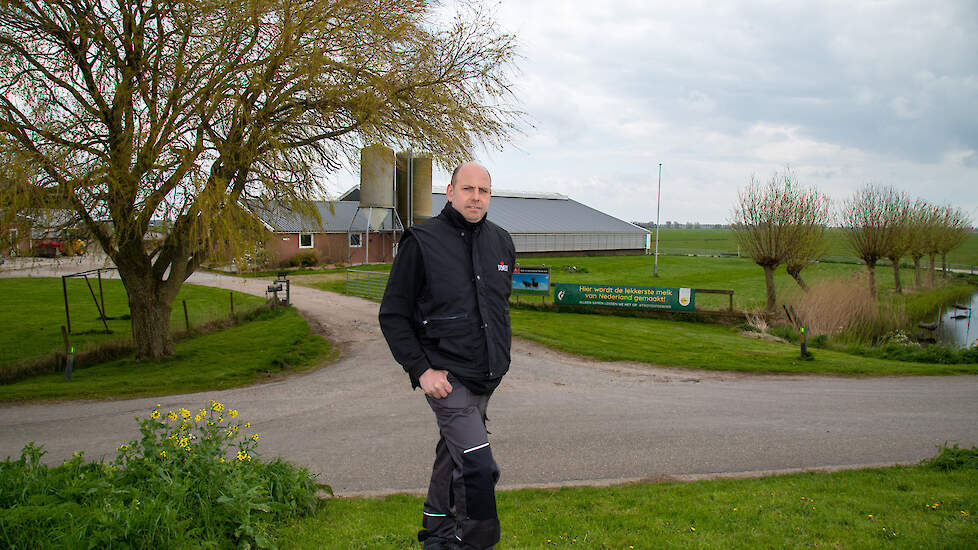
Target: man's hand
[[435, 383]]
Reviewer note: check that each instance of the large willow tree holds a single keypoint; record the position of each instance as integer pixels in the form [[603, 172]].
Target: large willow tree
[[780, 222], [127, 111]]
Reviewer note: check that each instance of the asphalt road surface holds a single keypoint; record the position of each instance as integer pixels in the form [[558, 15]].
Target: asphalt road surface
[[555, 420]]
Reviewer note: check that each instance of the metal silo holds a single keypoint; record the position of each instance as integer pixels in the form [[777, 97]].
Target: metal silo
[[376, 177], [413, 187]]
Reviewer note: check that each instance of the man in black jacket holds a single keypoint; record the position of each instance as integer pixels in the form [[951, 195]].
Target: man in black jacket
[[445, 316]]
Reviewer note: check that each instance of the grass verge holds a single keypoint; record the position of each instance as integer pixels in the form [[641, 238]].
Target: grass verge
[[697, 345], [901, 507], [274, 341]]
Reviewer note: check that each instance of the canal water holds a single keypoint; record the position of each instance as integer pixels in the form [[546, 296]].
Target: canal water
[[959, 327]]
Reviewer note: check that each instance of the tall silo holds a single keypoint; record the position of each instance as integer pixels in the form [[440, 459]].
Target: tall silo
[[376, 194], [421, 187], [413, 187], [376, 177]]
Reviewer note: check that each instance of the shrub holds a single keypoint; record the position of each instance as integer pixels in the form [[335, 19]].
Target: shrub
[[193, 479], [953, 458], [304, 259]]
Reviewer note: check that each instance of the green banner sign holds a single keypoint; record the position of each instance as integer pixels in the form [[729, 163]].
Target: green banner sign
[[641, 297]]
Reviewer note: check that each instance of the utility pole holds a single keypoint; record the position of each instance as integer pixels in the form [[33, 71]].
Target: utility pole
[[658, 204]]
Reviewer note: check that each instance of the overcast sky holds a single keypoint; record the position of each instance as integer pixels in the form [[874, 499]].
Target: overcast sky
[[842, 92]]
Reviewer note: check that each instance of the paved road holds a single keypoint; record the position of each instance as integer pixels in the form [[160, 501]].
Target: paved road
[[556, 420]]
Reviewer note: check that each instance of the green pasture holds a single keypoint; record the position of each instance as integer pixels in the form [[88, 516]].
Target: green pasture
[[899, 507], [273, 342], [33, 311], [676, 343], [722, 240], [741, 275]]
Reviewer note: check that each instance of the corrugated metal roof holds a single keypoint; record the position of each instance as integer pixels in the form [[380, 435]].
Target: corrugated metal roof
[[337, 220], [546, 215], [514, 212]]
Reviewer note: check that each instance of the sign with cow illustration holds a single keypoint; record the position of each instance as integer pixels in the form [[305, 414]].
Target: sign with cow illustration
[[531, 279]]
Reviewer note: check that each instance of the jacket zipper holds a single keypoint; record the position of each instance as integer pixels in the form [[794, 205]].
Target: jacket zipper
[[449, 317]]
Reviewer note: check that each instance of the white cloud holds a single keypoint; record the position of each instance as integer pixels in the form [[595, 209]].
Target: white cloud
[[843, 93]]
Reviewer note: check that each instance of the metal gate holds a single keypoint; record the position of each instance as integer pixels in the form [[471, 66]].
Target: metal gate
[[366, 284]]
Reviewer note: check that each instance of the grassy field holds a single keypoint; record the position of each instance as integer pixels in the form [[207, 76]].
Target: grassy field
[[276, 341], [721, 240], [900, 507], [34, 311], [698, 345], [741, 275]]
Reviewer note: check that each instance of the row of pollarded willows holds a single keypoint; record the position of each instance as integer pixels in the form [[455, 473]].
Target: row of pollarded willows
[[783, 223], [882, 222]]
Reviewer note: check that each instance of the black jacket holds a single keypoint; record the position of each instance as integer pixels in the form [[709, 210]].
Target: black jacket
[[447, 300]]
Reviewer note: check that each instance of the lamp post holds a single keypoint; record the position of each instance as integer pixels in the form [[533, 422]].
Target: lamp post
[[658, 203]]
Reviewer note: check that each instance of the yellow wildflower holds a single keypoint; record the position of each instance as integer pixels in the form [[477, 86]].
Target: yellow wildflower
[[185, 413], [234, 413], [171, 415], [247, 424], [202, 412], [255, 437], [198, 418], [163, 454], [217, 407], [155, 414], [243, 456]]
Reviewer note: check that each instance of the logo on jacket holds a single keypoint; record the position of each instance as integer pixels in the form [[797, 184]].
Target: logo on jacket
[[502, 266]]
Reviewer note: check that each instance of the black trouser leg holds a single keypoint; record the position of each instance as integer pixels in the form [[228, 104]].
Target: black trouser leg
[[461, 503]]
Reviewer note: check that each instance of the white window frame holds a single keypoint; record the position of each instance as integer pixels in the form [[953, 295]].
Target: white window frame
[[359, 242], [312, 240]]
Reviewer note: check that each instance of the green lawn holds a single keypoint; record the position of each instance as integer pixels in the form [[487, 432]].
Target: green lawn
[[33, 311], [900, 507], [275, 341], [722, 240], [697, 345]]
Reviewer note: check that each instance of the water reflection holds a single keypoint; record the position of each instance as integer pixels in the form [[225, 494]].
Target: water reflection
[[959, 327]]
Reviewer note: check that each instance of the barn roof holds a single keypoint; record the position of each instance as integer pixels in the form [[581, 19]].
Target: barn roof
[[516, 212]]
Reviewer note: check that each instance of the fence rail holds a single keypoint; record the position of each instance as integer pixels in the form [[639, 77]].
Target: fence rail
[[366, 284]]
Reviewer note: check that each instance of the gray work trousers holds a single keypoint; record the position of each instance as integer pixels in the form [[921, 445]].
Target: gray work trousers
[[460, 511]]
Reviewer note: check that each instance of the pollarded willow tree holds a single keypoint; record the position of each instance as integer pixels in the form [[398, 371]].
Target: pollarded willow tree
[[181, 110], [869, 226], [921, 233], [780, 223], [953, 227], [898, 211]]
